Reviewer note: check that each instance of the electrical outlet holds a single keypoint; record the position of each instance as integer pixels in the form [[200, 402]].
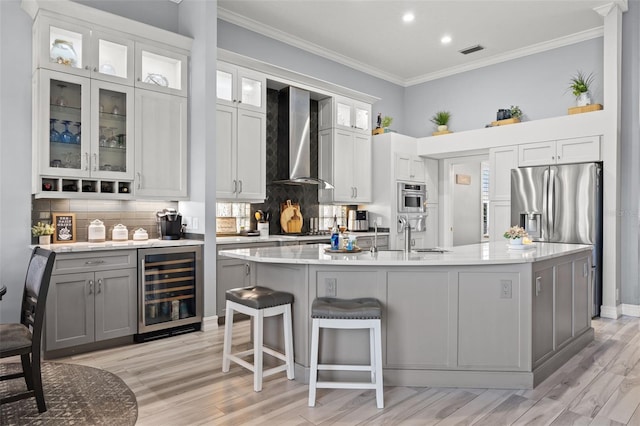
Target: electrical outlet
[[187, 221], [505, 289], [195, 224], [331, 287]]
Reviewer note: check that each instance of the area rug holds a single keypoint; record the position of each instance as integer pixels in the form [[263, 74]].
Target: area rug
[[74, 394]]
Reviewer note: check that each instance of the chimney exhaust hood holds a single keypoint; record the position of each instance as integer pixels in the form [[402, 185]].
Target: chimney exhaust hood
[[294, 142]]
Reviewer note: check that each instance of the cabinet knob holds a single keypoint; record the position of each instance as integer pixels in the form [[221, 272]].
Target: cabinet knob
[[538, 285], [95, 69], [240, 101], [99, 286], [139, 79], [139, 180], [95, 162], [90, 286], [86, 67], [86, 158], [247, 269]]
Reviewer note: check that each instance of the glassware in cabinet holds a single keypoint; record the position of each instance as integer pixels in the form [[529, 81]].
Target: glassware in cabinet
[[112, 130]]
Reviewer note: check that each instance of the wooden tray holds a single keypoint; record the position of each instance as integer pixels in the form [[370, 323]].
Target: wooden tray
[[355, 250], [507, 121], [444, 132], [587, 108]]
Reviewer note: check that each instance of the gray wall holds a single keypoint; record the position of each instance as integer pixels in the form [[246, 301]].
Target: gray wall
[[161, 14], [536, 83]]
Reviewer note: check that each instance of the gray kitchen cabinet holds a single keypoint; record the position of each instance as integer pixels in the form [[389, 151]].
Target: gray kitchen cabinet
[[581, 291], [161, 145], [563, 304], [92, 297], [542, 313], [232, 273]]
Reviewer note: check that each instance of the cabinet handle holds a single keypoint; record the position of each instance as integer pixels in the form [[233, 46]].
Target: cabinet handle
[[235, 186], [240, 187], [90, 286], [139, 180], [553, 157], [584, 270], [139, 79], [93, 262], [99, 286], [95, 69], [86, 67], [538, 285], [247, 269], [240, 101], [355, 189], [95, 162], [86, 158]]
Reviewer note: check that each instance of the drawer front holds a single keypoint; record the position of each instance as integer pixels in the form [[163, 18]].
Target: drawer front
[[95, 261]]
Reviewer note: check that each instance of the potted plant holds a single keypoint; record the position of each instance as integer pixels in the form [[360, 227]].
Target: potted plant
[[441, 119], [386, 122], [579, 86], [516, 112], [43, 231], [515, 235]]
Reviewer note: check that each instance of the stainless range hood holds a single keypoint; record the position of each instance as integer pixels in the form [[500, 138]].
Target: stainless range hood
[[294, 142]]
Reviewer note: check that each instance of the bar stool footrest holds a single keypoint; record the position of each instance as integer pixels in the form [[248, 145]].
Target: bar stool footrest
[[340, 367], [346, 385]]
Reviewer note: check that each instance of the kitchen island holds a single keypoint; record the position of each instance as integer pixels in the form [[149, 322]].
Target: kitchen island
[[482, 315]]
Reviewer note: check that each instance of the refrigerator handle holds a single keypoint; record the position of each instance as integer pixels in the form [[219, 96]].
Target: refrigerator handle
[[544, 217], [551, 191]]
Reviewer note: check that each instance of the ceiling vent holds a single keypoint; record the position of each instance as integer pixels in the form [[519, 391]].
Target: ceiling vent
[[471, 49]]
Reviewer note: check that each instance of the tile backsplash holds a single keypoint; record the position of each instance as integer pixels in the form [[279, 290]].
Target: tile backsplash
[[132, 214]]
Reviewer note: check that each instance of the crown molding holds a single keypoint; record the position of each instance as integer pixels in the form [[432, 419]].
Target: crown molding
[[508, 56], [281, 36], [604, 10]]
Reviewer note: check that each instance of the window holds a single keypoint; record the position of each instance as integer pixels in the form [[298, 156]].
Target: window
[[241, 211], [327, 212]]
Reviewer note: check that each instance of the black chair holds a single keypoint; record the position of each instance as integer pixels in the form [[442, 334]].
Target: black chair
[[25, 338]]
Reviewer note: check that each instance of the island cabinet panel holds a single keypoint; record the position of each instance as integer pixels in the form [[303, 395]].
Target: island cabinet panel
[[421, 320], [581, 299], [491, 330], [564, 303], [542, 313]]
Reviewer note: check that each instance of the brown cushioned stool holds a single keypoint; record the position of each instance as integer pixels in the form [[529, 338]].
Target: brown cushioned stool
[[259, 302], [334, 313]]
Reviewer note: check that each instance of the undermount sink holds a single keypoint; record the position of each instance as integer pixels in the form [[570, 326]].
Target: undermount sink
[[431, 250]]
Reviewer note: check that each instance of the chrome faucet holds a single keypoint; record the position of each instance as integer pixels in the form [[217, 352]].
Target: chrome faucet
[[406, 227], [374, 247]]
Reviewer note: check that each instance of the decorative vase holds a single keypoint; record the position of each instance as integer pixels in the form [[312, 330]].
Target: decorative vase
[[443, 128], [62, 52], [44, 240], [515, 241], [584, 99]]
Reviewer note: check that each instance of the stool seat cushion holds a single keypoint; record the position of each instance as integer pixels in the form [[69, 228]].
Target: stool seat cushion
[[332, 308], [259, 297]]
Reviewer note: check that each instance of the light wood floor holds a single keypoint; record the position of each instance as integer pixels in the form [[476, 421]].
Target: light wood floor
[[178, 382]]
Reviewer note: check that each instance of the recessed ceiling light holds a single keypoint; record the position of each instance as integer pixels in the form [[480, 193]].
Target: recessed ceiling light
[[408, 17], [445, 39]]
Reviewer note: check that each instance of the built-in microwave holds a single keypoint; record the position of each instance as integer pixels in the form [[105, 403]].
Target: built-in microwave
[[412, 198]]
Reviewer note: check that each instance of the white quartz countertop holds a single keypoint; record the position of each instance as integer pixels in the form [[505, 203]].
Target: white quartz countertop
[[473, 254], [120, 245], [286, 238]]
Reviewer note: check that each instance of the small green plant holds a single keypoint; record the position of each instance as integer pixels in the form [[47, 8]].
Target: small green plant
[[441, 118], [40, 229], [580, 83], [386, 121], [516, 112]]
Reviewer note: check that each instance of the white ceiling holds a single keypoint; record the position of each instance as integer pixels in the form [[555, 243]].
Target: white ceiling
[[369, 35]]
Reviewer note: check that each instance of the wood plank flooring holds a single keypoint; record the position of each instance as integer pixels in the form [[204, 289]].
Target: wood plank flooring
[[178, 381]]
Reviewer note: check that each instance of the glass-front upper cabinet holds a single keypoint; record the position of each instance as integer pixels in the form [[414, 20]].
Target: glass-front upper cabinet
[[64, 108], [63, 46], [352, 115], [85, 127], [112, 58], [241, 87], [161, 70], [112, 130]]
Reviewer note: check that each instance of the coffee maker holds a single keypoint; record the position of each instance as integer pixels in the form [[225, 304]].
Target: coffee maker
[[169, 224], [358, 220]]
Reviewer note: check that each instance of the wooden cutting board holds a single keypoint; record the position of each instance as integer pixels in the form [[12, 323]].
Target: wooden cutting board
[[290, 217]]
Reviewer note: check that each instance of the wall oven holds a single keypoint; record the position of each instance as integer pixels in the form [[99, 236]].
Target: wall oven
[[170, 291], [412, 198]]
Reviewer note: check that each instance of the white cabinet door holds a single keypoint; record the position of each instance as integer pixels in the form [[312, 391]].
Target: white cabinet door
[[417, 169], [361, 117], [112, 58], [499, 219], [325, 164], [344, 114], [161, 70], [536, 154], [226, 128], [501, 161], [361, 165], [161, 145], [343, 151], [241, 88], [578, 150], [251, 157], [403, 166], [325, 114]]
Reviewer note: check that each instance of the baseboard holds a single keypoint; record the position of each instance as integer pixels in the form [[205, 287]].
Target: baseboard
[[630, 310], [612, 312], [209, 323]]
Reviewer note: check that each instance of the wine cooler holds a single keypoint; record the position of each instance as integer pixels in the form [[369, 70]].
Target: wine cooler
[[170, 291]]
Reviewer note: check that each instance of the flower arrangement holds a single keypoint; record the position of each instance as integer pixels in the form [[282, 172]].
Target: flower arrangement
[[516, 112], [515, 232], [41, 229]]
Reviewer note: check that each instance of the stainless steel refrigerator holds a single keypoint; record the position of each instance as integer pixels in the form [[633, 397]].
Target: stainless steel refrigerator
[[562, 204]]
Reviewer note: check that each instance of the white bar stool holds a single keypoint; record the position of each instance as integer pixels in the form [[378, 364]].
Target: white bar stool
[[329, 312], [259, 302]]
